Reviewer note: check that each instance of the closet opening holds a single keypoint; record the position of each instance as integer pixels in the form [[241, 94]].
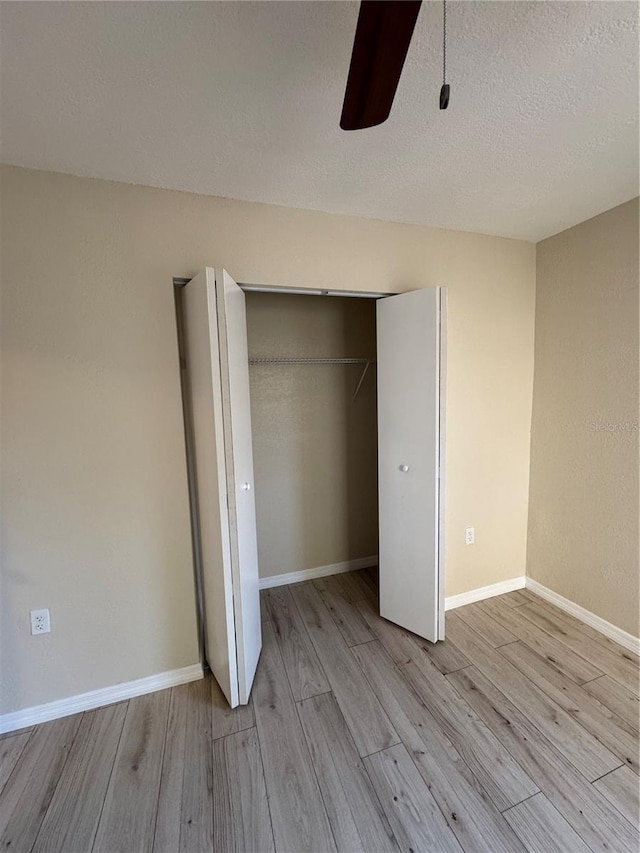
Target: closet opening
[[315, 437], [312, 371]]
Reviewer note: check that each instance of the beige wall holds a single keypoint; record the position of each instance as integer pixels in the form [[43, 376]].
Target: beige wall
[[583, 525], [314, 448], [95, 511]]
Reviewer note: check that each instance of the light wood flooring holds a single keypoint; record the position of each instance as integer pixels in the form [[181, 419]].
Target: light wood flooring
[[519, 732]]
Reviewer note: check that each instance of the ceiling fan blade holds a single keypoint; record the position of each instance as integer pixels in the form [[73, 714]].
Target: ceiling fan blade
[[380, 46]]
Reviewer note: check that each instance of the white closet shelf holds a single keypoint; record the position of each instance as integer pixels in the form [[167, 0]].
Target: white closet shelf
[[366, 361], [311, 360]]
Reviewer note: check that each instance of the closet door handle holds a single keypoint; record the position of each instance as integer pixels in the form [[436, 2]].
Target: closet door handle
[[404, 468], [246, 487]]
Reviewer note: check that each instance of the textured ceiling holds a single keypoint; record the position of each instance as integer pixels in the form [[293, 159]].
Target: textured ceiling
[[243, 100]]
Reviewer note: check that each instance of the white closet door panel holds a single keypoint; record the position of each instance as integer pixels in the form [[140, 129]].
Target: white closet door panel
[[232, 329], [408, 336], [205, 393]]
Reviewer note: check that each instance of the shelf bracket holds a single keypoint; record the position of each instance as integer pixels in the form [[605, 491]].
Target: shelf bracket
[[359, 385]]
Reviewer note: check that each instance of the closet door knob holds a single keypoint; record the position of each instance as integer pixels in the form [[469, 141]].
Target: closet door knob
[[404, 468], [246, 487]]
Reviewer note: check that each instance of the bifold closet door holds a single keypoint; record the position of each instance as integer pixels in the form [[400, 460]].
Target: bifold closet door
[[218, 377], [409, 381]]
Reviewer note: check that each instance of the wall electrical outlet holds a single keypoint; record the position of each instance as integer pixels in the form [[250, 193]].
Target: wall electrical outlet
[[40, 621], [470, 535]]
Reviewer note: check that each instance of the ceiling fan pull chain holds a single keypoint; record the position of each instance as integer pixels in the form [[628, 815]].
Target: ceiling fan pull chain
[[444, 91], [444, 42]]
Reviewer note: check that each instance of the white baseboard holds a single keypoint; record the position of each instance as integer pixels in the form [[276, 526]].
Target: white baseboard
[[453, 601], [597, 622], [97, 698], [318, 572]]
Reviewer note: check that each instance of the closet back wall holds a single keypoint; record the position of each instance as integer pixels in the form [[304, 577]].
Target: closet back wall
[[95, 505], [314, 448]]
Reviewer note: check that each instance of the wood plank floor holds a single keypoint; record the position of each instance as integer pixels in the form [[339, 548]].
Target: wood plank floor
[[518, 733]]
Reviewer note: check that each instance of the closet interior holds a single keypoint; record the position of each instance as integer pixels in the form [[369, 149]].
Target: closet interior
[[312, 370]]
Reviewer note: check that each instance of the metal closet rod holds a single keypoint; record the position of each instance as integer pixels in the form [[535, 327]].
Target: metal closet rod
[[311, 360]]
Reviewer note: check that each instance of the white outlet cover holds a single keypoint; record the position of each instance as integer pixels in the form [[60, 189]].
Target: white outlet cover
[[470, 535], [40, 621]]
